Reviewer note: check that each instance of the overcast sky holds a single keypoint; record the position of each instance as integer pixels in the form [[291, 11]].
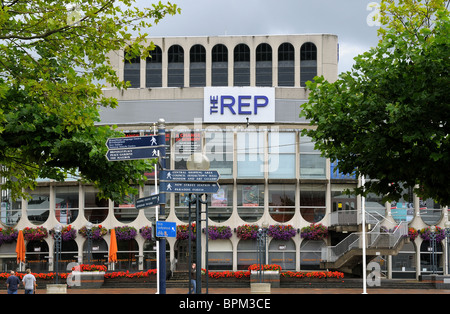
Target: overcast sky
[[345, 18]]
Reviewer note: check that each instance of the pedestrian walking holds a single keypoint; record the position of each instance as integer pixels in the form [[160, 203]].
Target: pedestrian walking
[[193, 276], [12, 283], [29, 282]]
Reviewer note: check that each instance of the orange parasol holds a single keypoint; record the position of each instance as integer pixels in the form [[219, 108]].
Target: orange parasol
[[112, 257], [20, 247]]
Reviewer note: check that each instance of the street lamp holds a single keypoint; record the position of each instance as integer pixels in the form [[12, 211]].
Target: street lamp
[[261, 246], [433, 248], [198, 161], [89, 241], [57, 250]]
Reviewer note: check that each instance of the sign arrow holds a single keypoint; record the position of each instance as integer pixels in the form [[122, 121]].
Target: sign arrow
[[189, 175], [188, 187], [132, 142], [149, 201], [133, 154]]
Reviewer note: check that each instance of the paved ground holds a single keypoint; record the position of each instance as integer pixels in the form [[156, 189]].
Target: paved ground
[[244, 291]]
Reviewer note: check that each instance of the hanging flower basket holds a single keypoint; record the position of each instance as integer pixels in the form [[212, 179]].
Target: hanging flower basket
[[97, 232], [223, 232], [146, 232], [314, 232], [125, 233], [426, 232], [247, 232], [8, 235], [35, 234], [183, 232], [67, 233], [412, 233], [281, 232]]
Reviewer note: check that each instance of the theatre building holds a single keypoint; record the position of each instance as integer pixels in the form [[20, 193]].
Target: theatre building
[[236, 99]]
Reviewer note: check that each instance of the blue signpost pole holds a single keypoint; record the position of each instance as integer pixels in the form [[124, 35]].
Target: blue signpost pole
[[162, 208]]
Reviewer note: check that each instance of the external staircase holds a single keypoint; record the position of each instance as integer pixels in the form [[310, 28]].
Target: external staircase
[[381, 240]]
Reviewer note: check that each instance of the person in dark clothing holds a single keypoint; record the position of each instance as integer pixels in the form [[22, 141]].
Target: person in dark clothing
[[12, 283], [193, 276]]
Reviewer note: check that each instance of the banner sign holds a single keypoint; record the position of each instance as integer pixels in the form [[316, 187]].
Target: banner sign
[[236, 104]]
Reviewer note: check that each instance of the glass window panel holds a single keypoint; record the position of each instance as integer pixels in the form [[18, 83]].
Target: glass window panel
[[175, 70], [312, 202], [282, 253], [132, 72], [126, 212], [281, 155], [67, 203], [219, 150], [95, 209], [250, 202], [220, 204], [153, 75], [186, 143], [241, 65], [250, 155], [39, 205], [282, 202], [10, 212]]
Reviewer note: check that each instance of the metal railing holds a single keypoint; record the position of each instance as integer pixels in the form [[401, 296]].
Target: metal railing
[[375, 238], [350, 217]]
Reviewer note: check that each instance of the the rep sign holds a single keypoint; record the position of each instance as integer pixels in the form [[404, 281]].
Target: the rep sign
[[235, 104]]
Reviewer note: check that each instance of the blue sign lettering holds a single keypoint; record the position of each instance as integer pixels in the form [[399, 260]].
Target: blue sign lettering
[[227, 101], [258, 104], [234, 104], [241, 104]]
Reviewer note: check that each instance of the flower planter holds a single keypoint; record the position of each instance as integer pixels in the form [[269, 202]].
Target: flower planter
[[87, 280], [268, 276]]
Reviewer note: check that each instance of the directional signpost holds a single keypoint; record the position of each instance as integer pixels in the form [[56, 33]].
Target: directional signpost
[[134, 148], [132, 142], [189, 187], [190, 175], [148, 201], [170, 181]]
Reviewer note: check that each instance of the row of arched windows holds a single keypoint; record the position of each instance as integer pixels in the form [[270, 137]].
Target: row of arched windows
[[220, 56]]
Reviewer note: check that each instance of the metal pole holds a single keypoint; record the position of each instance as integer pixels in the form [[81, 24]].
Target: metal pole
[[363, 234], [189, 244], [198, 244], [162, 209], [57, 254], [207, 248], [156, 219]]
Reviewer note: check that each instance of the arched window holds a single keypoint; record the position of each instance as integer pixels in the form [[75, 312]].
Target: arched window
[[241, 65], [220, 254], [219, 65], [197, 66], [264, 65], [38, 208], [95, 209], [282, 252], [175, 71], [286, 65], [153, 68], [308, 63], [247, 254], [311, 254], [132, 72]]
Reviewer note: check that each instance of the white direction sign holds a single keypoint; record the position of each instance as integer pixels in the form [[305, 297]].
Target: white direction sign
[[189, 175]]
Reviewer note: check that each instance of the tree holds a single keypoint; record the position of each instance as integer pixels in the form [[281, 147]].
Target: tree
[[53, 66], [388, 118]]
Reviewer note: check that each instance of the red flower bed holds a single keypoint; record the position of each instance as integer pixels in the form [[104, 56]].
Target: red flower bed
[[127, 274], [313, 274]]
